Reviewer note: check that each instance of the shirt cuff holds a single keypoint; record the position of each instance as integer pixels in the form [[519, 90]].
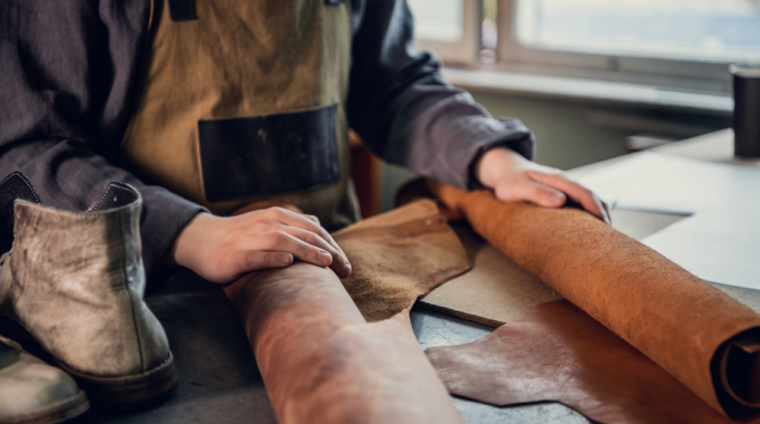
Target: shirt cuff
[[449, 138], [164, 216], [514, 136]]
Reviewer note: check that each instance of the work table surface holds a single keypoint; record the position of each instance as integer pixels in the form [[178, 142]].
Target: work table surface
[[218, 377]]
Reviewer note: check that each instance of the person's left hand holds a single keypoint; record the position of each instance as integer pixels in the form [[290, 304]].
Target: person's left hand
[[516, 179]]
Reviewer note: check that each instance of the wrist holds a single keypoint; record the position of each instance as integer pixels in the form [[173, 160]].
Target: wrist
[[495, 163], [187, 242]]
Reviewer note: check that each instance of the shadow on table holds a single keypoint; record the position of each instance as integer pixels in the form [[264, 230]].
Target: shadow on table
[[218, 377]]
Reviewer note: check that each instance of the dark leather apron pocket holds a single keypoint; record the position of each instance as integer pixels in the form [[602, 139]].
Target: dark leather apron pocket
[[182, 10], [271, 154]]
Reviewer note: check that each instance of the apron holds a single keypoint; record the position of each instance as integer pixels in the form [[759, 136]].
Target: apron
[[244, 101]]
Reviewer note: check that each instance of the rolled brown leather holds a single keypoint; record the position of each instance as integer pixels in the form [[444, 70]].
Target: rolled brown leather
[[559, 353], [320, 360], [701, 336], [322, 363]]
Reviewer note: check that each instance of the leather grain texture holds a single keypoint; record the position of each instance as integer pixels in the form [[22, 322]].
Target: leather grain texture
[[683, 324], [320, 360], [399, 256], [494, 292], [322, 363], [559, 353]]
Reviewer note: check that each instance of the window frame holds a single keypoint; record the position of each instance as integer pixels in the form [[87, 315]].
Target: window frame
[[464, 51], [681, 75]]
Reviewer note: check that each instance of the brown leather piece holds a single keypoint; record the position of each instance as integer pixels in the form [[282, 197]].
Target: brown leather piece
[[494, 292], [399, 256], [322, 363], [396, 256], [680, 322], [559, 353], [320, 360]]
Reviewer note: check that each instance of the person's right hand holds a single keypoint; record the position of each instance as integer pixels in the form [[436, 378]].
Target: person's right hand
[[221, 249]]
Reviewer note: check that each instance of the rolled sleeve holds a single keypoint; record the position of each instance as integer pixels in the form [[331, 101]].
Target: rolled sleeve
[[408, 114]]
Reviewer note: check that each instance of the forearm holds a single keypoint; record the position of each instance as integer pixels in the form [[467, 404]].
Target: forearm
[[447, 140], [405, 111]]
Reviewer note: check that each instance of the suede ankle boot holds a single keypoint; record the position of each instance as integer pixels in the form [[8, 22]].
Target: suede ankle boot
[[32, 391], [75, 281]]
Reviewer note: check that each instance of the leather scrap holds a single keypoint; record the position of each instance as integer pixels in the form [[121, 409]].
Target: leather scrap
[[559, 353], [494, 292], [399, 256], [322, 363], [704, 338]]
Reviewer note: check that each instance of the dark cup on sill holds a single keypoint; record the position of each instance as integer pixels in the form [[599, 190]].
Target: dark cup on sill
[[746, 110]]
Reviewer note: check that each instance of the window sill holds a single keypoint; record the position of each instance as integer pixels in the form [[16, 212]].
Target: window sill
[[587, 90]]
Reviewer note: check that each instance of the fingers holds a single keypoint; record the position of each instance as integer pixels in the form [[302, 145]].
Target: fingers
[[306, 222], [590, 202], [339, 264], [254, 260], [280, 241], [527, 190]]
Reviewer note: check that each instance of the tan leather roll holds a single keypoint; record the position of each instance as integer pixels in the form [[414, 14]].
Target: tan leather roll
[[322, 363], [702, 337], [320, 360]]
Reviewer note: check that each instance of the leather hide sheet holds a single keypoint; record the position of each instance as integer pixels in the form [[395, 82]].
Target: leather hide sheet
[[494, 292], [702, 337], [399, 256], [559, 353], [320, 360]]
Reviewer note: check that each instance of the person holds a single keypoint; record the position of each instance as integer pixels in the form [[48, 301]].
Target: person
[[177, 99]]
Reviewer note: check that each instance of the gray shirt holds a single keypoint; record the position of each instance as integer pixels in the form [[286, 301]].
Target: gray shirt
[[68, 80]]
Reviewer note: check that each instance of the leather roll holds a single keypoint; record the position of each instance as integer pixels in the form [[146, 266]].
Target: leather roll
[[704, 338], [320, 360], [322, 363]]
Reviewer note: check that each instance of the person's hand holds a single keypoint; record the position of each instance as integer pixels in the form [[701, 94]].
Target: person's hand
[[221, 249], [516, 179]]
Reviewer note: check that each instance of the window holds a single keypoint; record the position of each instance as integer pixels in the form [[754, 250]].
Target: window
[[694, 30], [448, 27], [438, 20], [683, 45]]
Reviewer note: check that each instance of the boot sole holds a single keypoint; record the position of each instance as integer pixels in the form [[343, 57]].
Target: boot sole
[[61, 411], [128, 392]]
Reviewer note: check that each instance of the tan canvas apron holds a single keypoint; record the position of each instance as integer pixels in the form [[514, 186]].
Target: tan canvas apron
[[246, 102]]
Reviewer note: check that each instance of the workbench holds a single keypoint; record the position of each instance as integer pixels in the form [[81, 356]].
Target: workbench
[[218, 377]]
